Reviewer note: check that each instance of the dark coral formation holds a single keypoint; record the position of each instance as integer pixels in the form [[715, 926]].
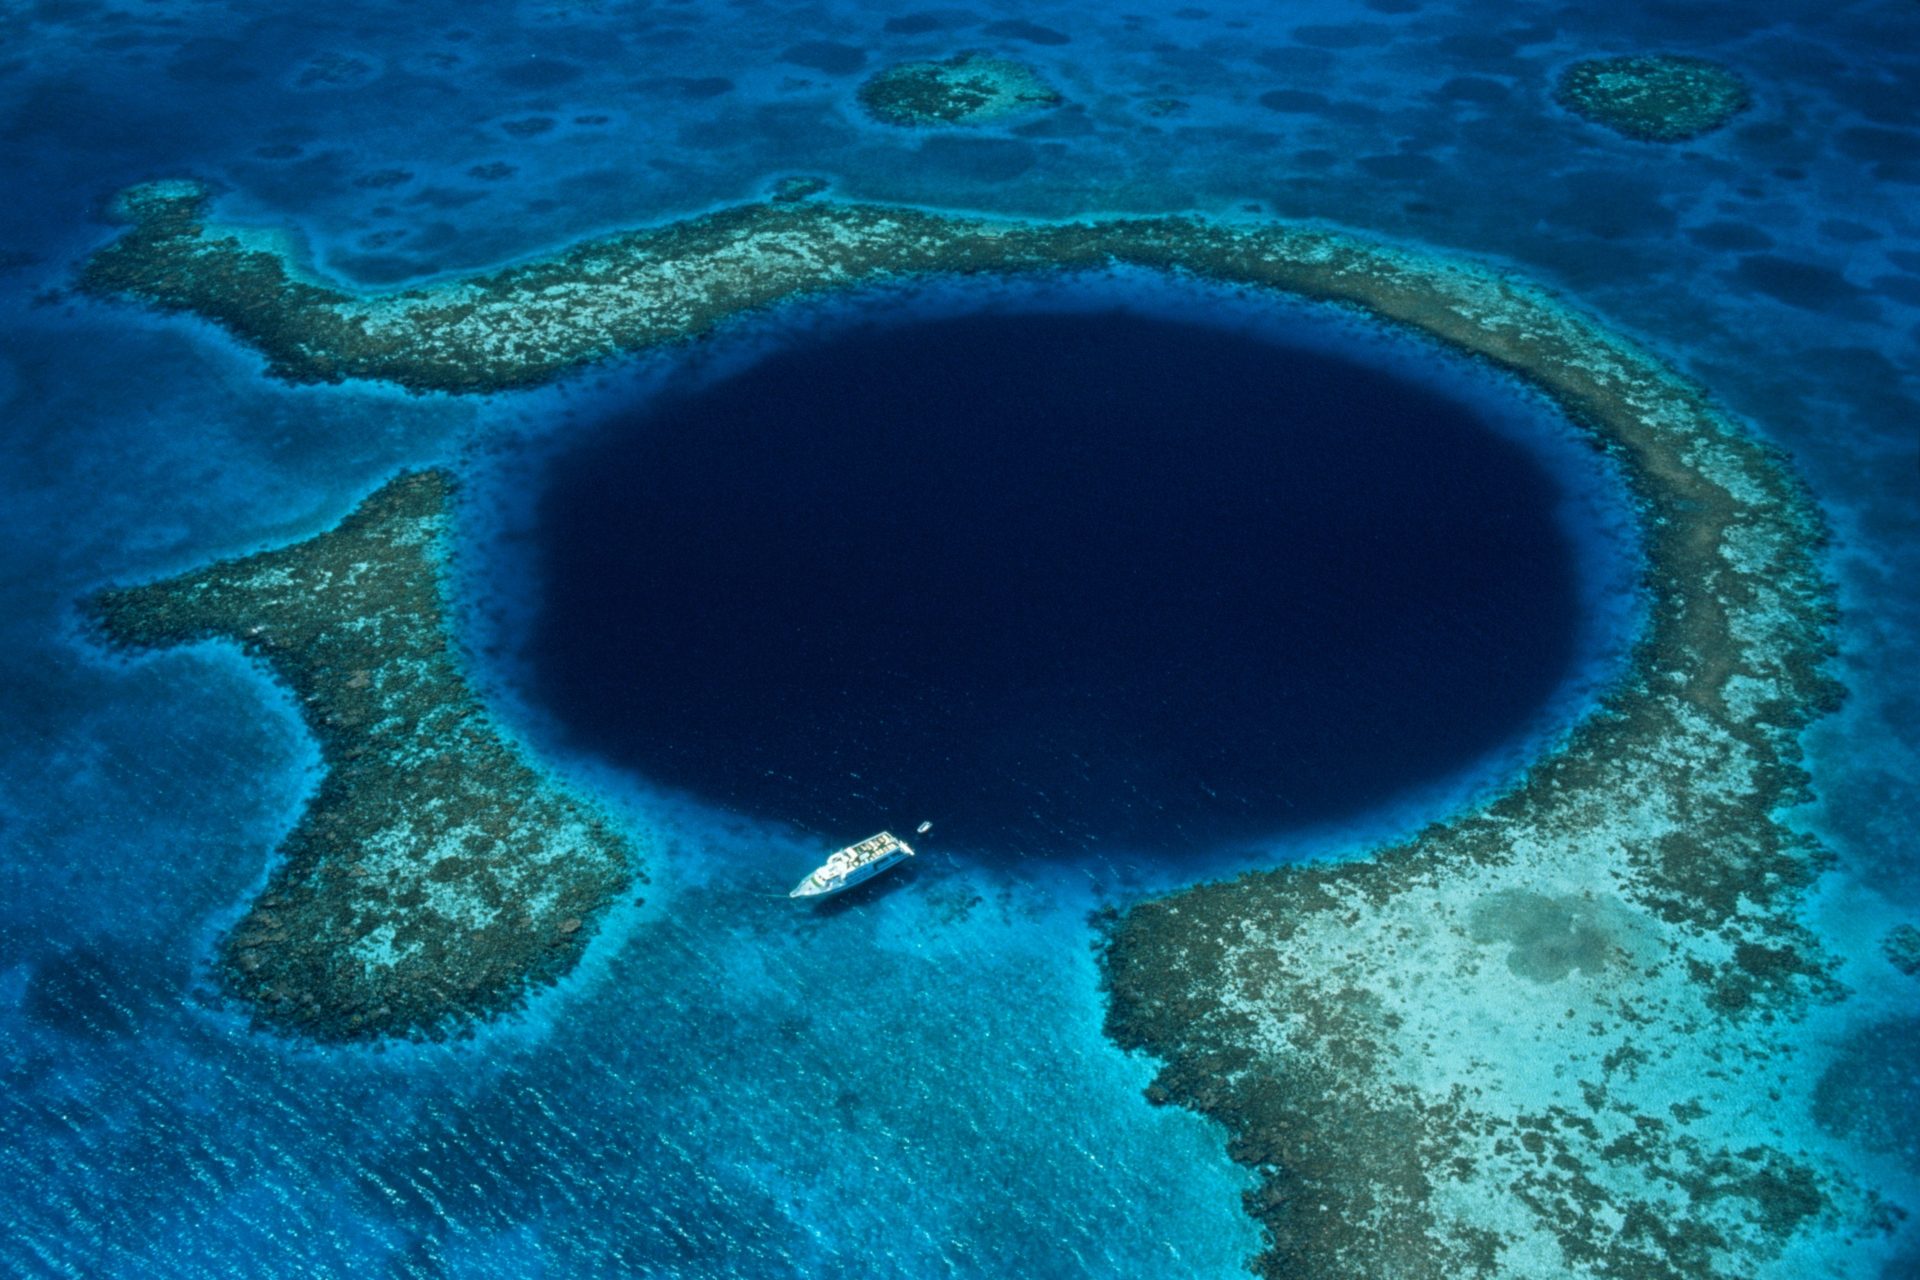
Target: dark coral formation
[[1654, 98], [794, 189], [526, 324], [1902, 945], [1526, 1042], [966, 89], [435, 876]]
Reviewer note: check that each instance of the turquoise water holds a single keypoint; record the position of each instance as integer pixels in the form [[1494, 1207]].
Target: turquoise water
[[914, 1084]]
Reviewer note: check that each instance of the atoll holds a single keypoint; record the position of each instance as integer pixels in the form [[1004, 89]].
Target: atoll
[[1656, 98], [1554, 1035], [435, 876], [966, 89]]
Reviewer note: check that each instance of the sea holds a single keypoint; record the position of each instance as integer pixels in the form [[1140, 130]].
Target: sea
[[873, 560]]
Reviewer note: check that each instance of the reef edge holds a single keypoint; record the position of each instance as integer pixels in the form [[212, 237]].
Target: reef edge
[[435, 877]]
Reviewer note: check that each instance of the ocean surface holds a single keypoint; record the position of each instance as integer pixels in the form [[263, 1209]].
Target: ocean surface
[[912, 1082]]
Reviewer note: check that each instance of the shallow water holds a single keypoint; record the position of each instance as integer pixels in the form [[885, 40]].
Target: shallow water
[[914, 1082]]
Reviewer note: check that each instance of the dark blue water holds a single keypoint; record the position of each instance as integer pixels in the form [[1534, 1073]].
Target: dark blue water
[[1053, 579]]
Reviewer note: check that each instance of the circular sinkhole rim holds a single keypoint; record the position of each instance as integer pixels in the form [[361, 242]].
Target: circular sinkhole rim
[[496, 578]]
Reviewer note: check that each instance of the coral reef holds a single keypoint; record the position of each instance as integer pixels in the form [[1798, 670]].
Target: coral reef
[[1656, 98], [966, 89], [1902, 945], [1529, 1041], [434, 876], [792, 190], [1555, 1035]]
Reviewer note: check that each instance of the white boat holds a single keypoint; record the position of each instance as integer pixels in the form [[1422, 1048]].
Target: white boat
[[856, 862]]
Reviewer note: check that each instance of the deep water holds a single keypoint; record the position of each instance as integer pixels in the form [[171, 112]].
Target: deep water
[[913, 1084], [1060, 580]]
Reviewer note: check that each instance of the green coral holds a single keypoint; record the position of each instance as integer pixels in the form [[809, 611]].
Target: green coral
[[435, 875], [966, 89], [1655, 98]]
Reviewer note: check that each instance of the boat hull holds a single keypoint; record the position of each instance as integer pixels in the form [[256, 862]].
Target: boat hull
[[824, 882]]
